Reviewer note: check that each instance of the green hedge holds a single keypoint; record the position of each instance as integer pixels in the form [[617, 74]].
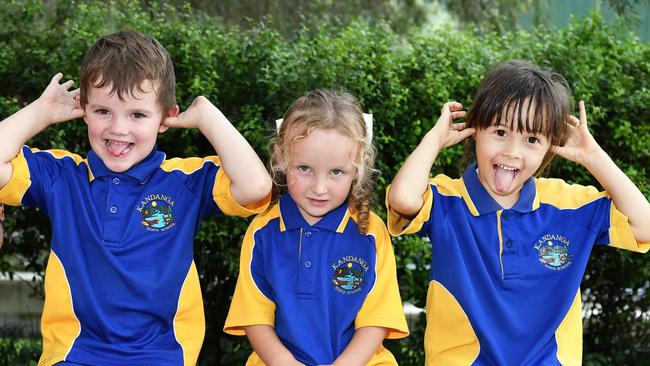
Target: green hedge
[[253, 76]]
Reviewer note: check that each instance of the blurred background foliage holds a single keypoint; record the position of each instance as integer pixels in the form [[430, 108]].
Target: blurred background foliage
[[403, 60]]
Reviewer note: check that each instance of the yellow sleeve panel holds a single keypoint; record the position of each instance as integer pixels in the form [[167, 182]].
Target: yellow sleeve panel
[[189, 322], [12, 193], [399, 225], [249, 306], [621, 235], [383, 306], [227, 204], [569, 335], [449, 338], [59, 324]]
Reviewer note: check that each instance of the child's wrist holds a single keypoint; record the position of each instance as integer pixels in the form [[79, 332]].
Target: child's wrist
[[42, 115], [593, 158]]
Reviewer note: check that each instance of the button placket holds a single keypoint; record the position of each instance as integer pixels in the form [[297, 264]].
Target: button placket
[[509, 256], [307, 269], [114, 220]]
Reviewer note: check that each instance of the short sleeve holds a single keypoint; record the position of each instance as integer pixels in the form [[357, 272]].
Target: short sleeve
[[34, 173], [250, 305], [383, 305], [399, 225], [208, 180], [228, 205], [620, 233]]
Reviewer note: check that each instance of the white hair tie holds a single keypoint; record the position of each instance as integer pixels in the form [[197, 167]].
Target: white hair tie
[[367, 118]]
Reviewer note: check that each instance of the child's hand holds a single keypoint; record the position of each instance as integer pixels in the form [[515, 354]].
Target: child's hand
[[447, 132], [58, 102], [201, 111], [581, 144]]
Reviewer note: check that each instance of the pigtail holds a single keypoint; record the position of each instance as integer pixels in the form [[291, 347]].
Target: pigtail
[[360, 198], [360, 206]]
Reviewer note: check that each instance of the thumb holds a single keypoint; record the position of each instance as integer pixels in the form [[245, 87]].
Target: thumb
[[172, 121], [77, 113]]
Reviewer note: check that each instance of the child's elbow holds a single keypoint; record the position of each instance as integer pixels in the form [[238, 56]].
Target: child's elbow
[[260, 190], [407, 205]]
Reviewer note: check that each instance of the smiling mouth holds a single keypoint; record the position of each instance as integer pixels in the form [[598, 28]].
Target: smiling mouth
[[118, 148], [504, 176]]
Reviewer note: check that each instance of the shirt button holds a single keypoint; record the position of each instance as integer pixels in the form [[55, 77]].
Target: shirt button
[[508, 244], [307, 233], [307, 264], [505, 216], [113, 209], [116, 180]]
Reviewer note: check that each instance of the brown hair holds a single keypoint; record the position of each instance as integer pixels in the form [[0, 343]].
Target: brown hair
[[124, 60], [329, 110], [508, 93]]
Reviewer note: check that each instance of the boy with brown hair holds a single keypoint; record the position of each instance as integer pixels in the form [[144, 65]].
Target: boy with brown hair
[[121, 285]]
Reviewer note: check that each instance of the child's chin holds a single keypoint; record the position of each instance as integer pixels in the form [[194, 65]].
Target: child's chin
[[118, 167]]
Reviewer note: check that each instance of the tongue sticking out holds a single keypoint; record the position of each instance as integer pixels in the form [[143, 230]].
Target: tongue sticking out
[[503, 178], [118, 148]]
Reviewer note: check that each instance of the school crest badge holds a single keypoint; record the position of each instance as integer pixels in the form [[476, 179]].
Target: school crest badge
[[157, 212], [348, 275], [553, 252]]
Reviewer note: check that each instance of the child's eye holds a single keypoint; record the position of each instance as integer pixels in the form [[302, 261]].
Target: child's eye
[[337, 172], [500, 132], [303, 168], [102, 111], [532, 140], [138, 115]]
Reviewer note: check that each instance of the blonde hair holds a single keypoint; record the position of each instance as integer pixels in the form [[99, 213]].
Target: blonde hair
[[328, 110]]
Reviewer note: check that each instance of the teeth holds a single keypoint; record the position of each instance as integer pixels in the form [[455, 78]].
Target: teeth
[[118, 148], [506, 167]]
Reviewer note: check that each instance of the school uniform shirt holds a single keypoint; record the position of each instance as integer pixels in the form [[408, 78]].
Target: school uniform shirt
[[121, 285], [505, 283], [316, 284]]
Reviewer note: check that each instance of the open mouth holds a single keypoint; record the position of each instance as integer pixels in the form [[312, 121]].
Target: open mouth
[[118, 148], [504, 176]]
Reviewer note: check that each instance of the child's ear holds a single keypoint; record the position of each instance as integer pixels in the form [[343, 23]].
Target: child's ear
[[172, 112], [77, 102]]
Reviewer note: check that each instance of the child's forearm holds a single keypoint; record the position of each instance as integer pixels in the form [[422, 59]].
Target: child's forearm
[[250, 180], [411, 181], [15, 131], [268, 346], [626, 195], [363, 345]]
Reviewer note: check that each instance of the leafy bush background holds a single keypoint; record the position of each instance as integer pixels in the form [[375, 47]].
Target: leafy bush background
[[253, 75]]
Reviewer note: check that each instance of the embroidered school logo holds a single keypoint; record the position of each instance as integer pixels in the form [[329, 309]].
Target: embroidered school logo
[[348, 274], [553, 252], [157, 212]]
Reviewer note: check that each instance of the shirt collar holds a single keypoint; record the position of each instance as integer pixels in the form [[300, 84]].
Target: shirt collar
[[291, 217], [141, 171], [484, 203]]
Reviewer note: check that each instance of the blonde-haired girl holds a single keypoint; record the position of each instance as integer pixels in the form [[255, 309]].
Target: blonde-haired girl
[[317, 282]]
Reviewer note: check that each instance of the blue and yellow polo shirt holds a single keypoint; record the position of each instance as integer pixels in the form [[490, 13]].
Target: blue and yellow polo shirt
[[505, 283], [316, 284], [121, 286]]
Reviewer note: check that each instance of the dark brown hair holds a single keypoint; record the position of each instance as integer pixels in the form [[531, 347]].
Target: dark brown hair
[[124, 60], [508, 93], [329, 110]]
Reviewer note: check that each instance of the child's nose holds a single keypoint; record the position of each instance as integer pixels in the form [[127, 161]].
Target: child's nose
[[119, 126], [513, 150], [320, 186]]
